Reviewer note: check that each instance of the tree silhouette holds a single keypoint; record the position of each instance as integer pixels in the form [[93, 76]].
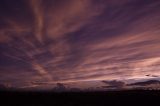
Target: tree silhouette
[[59, 88]]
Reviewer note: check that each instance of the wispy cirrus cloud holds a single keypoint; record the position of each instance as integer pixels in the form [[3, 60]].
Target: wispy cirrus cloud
[[82, 40]]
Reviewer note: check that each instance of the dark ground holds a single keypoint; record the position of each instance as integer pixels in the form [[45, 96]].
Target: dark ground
[[134, 97]]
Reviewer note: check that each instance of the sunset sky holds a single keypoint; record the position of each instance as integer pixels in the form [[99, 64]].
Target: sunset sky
[[78, 42]]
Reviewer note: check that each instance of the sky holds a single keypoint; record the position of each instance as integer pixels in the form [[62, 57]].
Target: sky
[[83, 42]]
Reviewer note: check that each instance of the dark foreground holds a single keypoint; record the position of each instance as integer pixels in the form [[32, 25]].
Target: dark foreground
[[139, 97]]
